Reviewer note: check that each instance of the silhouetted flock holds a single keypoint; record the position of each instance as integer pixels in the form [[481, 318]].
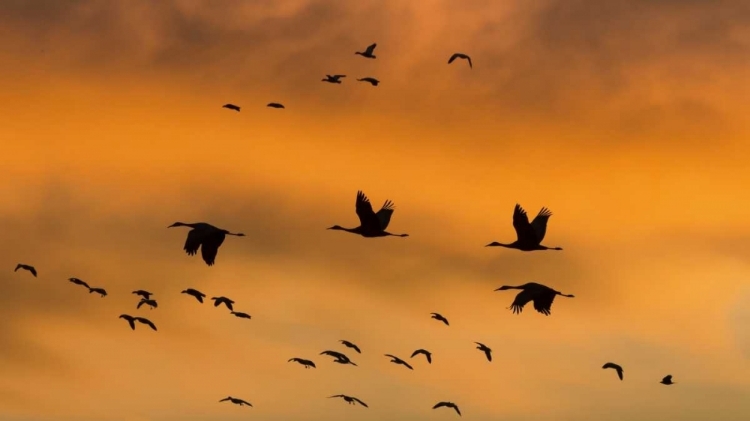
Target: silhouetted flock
[[208, 238]]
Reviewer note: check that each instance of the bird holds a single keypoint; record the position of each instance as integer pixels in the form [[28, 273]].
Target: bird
[[350, 399], [236, 401], [484, 348], [616, 367], [371, 80], [425, 352], [100, 291], [26, 267], [351, 345], [460, 55], [231, 107], [397, 360], [304, 362], [667, 380], [205, 236], [195, 293], [275, 105], [143, 293], [241, 315], [339, 357], [151, 303], [368, 52], [333, 78], [439, 317], [371, 224], [529, 235], [541, 295], [447, 405], [79, 282], [223, 300], [131, 321]]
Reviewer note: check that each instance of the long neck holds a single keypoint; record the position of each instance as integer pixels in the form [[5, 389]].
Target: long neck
[[509, 246]]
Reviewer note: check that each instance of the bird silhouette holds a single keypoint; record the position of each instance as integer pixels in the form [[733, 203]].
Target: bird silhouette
[[484, 348], [79, 282], [195, 293], [236, 401], [541, 295], [529, 235], [275, 105], [304, 362], [616, 367], [131, 321], [368, 52], [667, 380], [231, 107], [206, 237], [241, 315], [338, 357], [447, 405], [26, 267], [151, 303], [425, 352], [371, 224], [439, 317], [397, 360], [350, 399], [333, 78], [371, 80], [143, 293], [101, 291], [223, 300], [351, 345], [463, 56]]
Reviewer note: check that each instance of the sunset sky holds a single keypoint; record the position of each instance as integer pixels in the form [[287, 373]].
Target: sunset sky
[[627, 118]]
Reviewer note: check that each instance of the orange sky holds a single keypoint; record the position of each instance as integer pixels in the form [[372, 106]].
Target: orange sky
[[627, 118]]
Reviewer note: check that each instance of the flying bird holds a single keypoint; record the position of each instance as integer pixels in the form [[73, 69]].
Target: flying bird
[[79, 282], [275, 105], [439, 317], [26, 267], [371, 80], [541, 295], [304, 362], [351, 345], [241, 315], [529, 235], [616, 367], [205, 236], [368, 52], [371, 224], [339, 357], [101, 291], [195, 293], [223, 300], [667, 380], [397, 360], [151, 303], [236, 401], [131, 321], [461, 55], [231, 107], [350, 399], [333, 78], [484, 348], [447, 405], [143, 293], [425, 352]]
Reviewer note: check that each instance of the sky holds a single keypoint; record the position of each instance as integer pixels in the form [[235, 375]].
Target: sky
[[626, 118]]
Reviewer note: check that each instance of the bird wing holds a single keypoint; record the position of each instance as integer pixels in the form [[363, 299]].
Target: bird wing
[[360, 402], [488, 353], [524, 230], [193, 241], [367, 218], [32, 270], [19, 266], [453, 57], [338, 76], [146, 322], [540, 223], [140, 303], [668, 378], [417, 352], [456, 408], [440, 404], [210, 246], [384, 214], [245, 402], [225, 399], [336, 396], [543, 302], [406, 364], [369, 51], [469, 60], [619, 372], [522, 298]]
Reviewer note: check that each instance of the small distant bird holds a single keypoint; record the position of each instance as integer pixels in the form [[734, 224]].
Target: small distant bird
[[371, 80], [447, 405], [397, 360], [368, 52], [304, 362], [151, 303], [350, 345], [425, 352], [100, 291], [79, 282], [541, 295], [195, 293], [667, 380], [617, 368], [371, 224], [231, 107], [223, 300], [333, 78], [275, 105], [339, 357], [241, 315], [206, 237], [484, 348], [350, 399], [463, 56], [529, 236], [131, 321], [143, 293], [26, 267], [439, 317], [236, 401]]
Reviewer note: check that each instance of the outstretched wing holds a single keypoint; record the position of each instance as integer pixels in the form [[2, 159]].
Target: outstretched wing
[[367, 217], [360, 402], [384, 214], [524, 231], [210, 246], [369, 51], [338, 76], [469, 60], [453, 57], [543, 302], [32, 270], [521, 300], [540, 223], [146, 322], [456, 408], [193, 241]]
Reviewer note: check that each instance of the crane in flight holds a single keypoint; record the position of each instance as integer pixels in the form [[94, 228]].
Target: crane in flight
[[529, 236]]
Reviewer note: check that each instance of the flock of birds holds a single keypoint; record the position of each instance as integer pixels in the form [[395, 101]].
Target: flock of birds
[[208, 238]]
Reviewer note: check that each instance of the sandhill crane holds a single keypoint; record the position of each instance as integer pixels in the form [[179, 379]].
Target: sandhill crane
[[339, 357], [195, 293], [667, 380], [541, 295], [241, 315], [368, 52], [484, 348], [529, 235], [463, 56], [151, 303], [447, 405], [101, 291], [231, 107], [304, 362], [439, 317], [275, 105], [616, 367], [333, 78], [351, 345], [350, 399], [131, 321], [26, 267], [236, 401], [143, 293], [79, 282], [223, 300], [371, 224], [371, 80], [206, 236], [397, 360], [425, 352]]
